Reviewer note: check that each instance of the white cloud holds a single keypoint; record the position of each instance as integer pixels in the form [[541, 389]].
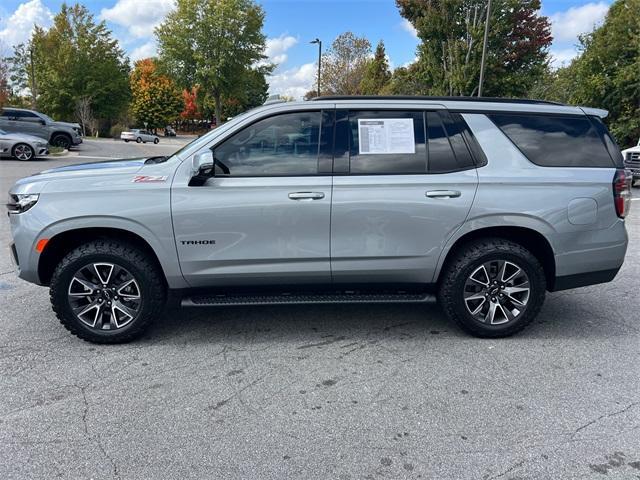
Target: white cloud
[[569, 24], [563, 56], [139, 17], [294, 82], [277, 48], [18, 27], [408, 26], [146, 50]]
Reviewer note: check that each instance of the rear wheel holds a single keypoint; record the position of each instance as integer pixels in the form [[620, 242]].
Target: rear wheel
[[23, 152], [107, 292], [138, 140], [493, 288], [156, 141], [126, 141]]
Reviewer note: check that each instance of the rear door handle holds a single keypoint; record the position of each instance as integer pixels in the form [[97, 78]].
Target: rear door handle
[[443, 193], [306, 195]]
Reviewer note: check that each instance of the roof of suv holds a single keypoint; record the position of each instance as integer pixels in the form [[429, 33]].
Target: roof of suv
[[469, 104]]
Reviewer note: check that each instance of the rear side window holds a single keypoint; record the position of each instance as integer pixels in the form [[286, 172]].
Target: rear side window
[[447, 148], [610, 143], [555, 140], [387, 142]]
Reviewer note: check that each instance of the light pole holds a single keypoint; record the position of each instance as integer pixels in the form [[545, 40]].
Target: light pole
[[484, 48], [319, 42]]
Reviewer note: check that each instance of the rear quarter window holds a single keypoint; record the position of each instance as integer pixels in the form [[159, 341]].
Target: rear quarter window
[[555, 140]]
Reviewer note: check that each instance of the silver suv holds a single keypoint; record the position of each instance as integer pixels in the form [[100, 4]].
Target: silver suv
[[486, 204], [30, 122]]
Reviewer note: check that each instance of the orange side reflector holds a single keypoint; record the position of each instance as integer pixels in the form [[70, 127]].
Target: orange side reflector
[[41, 244]]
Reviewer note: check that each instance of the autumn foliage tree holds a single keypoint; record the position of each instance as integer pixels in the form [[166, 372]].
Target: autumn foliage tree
[[451, 34], [156, 101]]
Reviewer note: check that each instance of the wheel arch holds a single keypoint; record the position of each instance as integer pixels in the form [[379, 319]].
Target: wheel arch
[[60, 132], [62, 243], [534, 241]]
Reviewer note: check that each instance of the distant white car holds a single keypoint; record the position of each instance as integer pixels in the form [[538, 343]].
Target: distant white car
[[632, 161], [139, 136], [21, 146]]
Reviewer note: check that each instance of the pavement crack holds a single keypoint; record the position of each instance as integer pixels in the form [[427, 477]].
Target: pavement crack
[[322, 344], [508, 470], [602, 417], [95, 438]]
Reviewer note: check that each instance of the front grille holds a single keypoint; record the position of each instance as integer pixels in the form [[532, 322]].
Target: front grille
[[632, 162]]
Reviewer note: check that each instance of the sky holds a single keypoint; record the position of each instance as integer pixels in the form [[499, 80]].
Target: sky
[[289, 26]]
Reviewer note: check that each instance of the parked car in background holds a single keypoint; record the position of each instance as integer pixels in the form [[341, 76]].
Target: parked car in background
[[30, 122], [169, 131], [139, 136], [22, 147], [632, 161], [487, 203]]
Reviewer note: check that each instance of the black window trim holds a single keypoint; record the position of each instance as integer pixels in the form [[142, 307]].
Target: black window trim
[[488, 114], [276, 114]]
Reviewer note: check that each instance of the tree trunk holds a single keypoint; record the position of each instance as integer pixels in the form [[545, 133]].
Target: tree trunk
[[218, 100]]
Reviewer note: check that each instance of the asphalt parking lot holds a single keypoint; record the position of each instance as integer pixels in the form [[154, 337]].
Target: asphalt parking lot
[[320, 392]]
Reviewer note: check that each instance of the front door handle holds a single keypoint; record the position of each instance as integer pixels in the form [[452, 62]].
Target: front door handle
[[443, 193], [306, 195]]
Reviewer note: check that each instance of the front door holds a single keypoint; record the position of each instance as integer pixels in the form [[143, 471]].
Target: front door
[[405, 182], [264, 219]]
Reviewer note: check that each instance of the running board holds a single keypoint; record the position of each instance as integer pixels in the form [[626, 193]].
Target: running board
[[305, 298]]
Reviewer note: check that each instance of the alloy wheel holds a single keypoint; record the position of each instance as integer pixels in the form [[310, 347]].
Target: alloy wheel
[[497, 292], [23, 152], [104, 296]]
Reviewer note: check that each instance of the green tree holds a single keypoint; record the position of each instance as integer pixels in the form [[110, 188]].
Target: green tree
[[76, 59], [606, 74], [377, 74], [213, 44], [155, 99], [344, 65], [451, 34], [21, 71]]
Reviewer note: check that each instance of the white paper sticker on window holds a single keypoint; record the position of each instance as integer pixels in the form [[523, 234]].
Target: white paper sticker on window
[[386, 135]]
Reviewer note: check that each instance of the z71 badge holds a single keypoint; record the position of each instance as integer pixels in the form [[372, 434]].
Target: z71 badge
[[149, 179]]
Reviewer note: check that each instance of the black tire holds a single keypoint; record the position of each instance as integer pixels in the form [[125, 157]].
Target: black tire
[[466, 261], [126, 141], [156, 141], [138, 140], [144, 270], [61, 140], [23, 152]]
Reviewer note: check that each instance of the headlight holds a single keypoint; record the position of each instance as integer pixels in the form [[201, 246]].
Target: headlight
[[21, 202]]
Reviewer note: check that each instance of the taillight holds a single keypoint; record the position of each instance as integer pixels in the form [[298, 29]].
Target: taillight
[[622, 192]]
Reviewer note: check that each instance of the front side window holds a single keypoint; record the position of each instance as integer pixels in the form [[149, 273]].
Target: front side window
[[555, 140], [387, 142], [282, 145]]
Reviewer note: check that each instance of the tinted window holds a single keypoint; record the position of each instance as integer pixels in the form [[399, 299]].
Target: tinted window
[[7, 113], [284, 144], [554, 140], [455, 125], [609, 142], [387, 142]]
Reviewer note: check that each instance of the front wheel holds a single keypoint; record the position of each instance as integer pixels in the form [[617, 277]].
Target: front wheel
[[138, 140], [493, 288], [23, 152], [61, 140], [107, 292], [156, 141]]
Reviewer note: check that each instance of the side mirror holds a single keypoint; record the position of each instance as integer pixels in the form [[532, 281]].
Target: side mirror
[[202, 168]]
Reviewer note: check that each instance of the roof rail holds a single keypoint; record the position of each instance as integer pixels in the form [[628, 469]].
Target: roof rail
[[447, 99]]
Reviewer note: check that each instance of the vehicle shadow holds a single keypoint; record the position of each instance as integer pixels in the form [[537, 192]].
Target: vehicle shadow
[[562, 316]]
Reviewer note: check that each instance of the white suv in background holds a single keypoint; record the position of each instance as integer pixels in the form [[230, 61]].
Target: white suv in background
[[632, 161]]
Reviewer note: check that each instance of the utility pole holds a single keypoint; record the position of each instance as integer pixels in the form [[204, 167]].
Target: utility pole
[[34, 86], [319, 42], [484, 48]]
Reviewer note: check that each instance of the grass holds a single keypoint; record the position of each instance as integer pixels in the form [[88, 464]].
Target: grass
[[56, 150]]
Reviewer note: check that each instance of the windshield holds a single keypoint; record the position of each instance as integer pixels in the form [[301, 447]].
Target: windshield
[[46, 117]]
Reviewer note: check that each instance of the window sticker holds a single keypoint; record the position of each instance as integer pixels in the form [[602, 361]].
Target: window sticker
[[385, 135]]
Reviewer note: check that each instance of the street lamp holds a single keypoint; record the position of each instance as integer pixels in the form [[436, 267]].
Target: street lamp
[[484, 48], [319, 42]]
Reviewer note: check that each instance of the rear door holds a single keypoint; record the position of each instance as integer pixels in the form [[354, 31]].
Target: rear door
[[404, 182], [264, 219]]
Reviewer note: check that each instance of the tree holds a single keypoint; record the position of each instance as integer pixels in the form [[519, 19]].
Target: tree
[[451, 34], [155, 99], [606, 74], [377, 74], [21, 71], [5, 91], [190, 110], [213, 44], [344, 65]]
